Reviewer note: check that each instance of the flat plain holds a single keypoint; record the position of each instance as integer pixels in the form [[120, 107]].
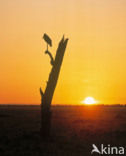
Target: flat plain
[[74, 130]]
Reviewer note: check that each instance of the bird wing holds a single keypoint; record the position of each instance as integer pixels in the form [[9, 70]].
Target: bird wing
[[47, 39]]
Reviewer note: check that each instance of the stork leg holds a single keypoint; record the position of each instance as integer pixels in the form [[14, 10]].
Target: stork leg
[[47, 46]]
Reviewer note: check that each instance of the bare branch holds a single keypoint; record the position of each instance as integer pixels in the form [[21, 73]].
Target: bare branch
[[41, 92], [51, 57]]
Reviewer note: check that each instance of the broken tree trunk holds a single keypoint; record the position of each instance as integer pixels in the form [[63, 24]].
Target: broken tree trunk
[[50, 88]]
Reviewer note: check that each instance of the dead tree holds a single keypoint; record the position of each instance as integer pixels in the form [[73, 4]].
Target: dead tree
[[46, 97]]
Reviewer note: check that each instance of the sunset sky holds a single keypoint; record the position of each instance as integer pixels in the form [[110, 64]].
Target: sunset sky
[[95, 60]]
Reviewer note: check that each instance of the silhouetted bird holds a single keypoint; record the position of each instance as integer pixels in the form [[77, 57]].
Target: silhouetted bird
[[47, 39]]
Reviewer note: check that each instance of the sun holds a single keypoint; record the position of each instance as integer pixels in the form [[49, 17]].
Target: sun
[[89, 101]]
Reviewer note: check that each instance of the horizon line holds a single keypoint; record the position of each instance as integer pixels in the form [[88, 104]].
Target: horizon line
[[18, 104]]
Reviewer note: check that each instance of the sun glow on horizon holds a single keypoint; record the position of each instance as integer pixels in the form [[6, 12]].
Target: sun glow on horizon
[[94, 61], [89, 101]]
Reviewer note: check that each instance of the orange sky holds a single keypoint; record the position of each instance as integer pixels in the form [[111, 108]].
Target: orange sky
[[94, 63]]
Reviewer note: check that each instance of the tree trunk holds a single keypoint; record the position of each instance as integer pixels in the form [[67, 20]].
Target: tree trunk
[[50, 88]]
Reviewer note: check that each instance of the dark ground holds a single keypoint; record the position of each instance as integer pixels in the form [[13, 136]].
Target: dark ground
[[74, 130]]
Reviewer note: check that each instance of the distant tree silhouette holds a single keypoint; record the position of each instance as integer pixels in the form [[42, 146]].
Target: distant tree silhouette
[[46, 97]]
